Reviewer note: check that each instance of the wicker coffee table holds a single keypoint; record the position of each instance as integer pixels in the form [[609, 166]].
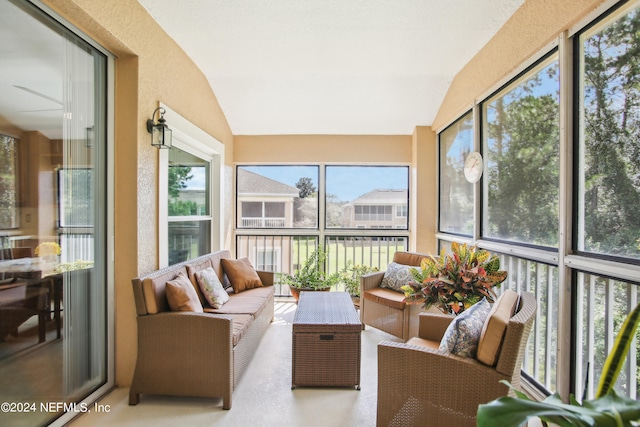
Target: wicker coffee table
[[326, 341]]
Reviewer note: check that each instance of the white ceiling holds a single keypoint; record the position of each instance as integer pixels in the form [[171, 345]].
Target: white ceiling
[[330, 66]]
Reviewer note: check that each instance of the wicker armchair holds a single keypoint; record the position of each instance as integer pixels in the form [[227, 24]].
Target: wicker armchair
[[384, 308], [420, 385]]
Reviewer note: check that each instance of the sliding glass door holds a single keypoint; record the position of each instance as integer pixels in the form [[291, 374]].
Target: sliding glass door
[[53, 177]]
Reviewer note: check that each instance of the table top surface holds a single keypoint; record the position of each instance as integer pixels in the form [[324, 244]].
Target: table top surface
[[325, 308]]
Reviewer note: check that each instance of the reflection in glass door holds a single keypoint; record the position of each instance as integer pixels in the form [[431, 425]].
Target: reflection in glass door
[[53, 287]]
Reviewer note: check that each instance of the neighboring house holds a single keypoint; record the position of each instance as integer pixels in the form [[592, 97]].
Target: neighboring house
[[264, 202], [380, 208]]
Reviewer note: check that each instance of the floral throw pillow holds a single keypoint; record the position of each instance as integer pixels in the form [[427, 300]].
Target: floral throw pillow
[[211, 287], [463, 334], [396, 276]]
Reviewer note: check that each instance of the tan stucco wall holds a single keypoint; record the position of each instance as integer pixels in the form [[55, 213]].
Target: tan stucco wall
[[322, 148], [424, 206], [534, 25], [150, 68]]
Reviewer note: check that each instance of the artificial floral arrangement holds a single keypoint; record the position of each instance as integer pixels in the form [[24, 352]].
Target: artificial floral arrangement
[[454, 282], [48, 248]]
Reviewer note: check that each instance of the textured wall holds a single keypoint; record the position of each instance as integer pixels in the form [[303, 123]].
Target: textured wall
[[322, 148]]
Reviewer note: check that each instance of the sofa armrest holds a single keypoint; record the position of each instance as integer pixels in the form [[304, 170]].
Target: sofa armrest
[[266, 277], [182, 330], [433, 325], [370, 281]]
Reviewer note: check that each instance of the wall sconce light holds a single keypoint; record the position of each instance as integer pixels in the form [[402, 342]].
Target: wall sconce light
[[160, 132]]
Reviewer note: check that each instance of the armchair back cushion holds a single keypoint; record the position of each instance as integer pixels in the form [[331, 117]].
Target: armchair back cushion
[[495, 327], [408, 258]]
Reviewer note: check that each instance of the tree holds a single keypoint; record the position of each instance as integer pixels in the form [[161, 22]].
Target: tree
[[611, 146], [306, 187], [523, 151], [178, 177]]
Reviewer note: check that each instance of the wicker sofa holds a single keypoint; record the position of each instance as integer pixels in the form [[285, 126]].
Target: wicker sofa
[[384, 308], [197, 354]]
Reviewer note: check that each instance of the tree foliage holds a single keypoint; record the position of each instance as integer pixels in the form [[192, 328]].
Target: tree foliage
[[611, 138], [523, 150], [306, 187]]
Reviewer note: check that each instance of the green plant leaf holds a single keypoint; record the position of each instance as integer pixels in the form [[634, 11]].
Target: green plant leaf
[[618, 354]]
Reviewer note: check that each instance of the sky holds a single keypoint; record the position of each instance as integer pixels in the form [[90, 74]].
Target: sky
[[346, 182]]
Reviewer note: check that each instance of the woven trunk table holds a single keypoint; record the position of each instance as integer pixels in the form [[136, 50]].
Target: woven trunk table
[[326, 341]]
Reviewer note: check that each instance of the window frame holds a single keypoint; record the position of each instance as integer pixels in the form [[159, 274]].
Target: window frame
[[193, 140]]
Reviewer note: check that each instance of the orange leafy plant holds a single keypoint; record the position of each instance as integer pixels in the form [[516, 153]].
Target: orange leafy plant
[[454, 282]]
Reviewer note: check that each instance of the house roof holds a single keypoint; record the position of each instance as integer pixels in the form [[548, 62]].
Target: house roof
[[252, 183], [382, 195]]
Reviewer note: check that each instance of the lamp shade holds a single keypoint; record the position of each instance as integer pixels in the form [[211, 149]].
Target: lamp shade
[[161, 136], [160, 132]]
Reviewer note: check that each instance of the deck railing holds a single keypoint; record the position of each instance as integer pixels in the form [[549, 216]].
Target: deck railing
[[286, 253]]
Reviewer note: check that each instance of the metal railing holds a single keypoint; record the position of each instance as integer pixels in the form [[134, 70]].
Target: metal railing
[[602, 305], [262, 222], [286, 253], [541, 280]]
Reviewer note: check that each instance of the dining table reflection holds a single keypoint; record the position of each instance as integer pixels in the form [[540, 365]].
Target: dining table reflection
[[33, 285]]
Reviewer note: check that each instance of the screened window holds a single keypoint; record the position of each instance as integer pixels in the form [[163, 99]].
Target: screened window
[[609, 160], [366, 196], [277, 196], [521, 140], [456, 193]]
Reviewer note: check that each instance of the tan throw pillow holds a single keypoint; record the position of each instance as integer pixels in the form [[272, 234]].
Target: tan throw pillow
[[241, 274], [495, 327], [211, 287], [182, 295]]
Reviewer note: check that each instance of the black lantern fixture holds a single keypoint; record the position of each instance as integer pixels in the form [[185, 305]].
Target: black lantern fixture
[[160, 132]]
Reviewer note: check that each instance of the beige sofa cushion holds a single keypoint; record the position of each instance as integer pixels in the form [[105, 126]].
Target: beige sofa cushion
[[181, 295], [495, 327], [195, 266], [153, 289]]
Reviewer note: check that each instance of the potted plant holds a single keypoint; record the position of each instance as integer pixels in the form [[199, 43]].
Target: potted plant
[[350, 278], [454, 282], [311, 276], [607, 409]]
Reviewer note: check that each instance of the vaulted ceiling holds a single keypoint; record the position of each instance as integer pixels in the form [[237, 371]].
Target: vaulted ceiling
[[333, 66]]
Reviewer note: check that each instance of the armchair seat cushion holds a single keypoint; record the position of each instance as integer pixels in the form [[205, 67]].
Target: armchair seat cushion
[[387, 297]]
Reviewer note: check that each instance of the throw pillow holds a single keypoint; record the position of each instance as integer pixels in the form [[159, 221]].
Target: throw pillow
[[181, 295], [495, 327], [396, 276], [241, 274], [463, 333], [211, 287]]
